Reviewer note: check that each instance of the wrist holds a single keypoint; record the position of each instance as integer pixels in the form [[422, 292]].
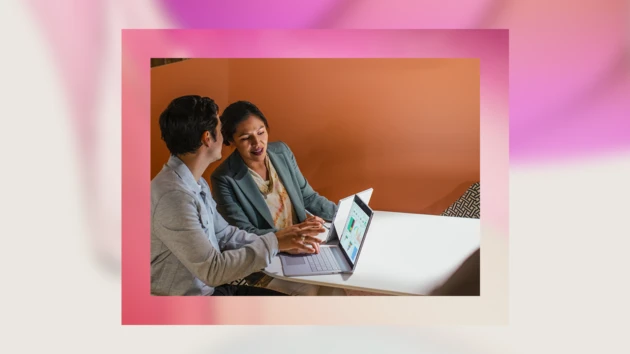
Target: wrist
[[279, 240]]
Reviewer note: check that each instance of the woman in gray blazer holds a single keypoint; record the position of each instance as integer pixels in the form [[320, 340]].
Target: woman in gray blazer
[[259, 188]]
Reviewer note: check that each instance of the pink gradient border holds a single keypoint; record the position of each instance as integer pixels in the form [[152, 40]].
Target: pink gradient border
[[138, 46]]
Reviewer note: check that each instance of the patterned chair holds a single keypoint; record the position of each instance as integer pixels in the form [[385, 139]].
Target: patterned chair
[[239, 282], [465, 281], [255, 279], [467, 206]]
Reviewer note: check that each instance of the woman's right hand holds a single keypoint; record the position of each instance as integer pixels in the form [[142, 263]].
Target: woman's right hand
[[300, 237]]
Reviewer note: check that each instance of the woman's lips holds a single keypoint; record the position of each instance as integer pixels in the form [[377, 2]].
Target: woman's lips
[[258, 151]]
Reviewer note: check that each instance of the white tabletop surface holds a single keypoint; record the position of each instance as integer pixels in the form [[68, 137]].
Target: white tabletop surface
[[403, 254]]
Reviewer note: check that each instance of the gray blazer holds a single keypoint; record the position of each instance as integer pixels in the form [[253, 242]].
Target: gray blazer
[[240, 202], [193, 249]]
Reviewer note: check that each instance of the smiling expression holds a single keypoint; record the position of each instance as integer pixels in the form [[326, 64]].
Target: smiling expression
[[250, 139]]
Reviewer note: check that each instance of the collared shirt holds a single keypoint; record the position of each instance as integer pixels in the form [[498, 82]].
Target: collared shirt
[[193, 249]]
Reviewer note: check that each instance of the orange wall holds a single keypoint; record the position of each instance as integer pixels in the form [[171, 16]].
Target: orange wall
[[407, 127]]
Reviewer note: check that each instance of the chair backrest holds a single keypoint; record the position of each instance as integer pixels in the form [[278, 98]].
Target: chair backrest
[[467, 206]]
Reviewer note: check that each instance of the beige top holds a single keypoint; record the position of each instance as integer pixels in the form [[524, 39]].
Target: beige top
[[276, 197]]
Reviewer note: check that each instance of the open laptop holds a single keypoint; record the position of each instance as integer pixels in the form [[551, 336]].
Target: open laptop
[[341, 215], [332, 259]]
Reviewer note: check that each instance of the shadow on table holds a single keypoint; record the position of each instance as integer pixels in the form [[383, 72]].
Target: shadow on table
[[464, 281]]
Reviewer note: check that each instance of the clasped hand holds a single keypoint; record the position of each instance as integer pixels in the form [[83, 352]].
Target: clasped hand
[[300, 238]]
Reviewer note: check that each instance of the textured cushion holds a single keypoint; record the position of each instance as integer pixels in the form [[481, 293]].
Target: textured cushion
[[467, 206]]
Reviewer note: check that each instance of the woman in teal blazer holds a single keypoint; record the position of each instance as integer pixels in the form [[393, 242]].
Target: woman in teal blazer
[[259, 187]]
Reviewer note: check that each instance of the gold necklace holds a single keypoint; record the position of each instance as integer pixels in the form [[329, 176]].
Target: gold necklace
[[266, 190]]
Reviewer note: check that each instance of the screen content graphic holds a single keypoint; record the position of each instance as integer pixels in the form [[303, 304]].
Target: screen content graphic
[[354, 231]]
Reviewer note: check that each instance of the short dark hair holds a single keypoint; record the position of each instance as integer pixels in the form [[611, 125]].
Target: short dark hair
[[234, 114], [184, 122]]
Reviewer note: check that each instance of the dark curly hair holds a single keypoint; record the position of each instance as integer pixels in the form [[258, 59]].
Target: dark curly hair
[[234, 114], [184, 122]]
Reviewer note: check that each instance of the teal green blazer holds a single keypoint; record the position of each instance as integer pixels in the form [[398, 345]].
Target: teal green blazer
[[240, 202]]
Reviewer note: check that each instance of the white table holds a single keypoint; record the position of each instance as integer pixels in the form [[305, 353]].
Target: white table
[[403, 254]]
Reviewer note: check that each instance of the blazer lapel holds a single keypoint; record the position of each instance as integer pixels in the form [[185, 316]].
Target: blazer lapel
[[285, 176], [250, 189]]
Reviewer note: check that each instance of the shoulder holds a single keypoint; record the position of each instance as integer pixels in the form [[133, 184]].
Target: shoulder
[[279, 147], [167, 182], [166, 202]]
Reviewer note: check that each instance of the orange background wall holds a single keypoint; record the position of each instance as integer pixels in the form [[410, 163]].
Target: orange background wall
[[409, 128]]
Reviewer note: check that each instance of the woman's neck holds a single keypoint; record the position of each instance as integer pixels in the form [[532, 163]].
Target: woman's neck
[[259, 167]]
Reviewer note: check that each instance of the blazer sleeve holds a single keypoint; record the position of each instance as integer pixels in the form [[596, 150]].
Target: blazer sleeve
[[177, 226], [314, 202], [229, 208]]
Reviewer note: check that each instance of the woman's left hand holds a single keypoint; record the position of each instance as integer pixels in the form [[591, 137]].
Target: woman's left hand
[[315, 218]]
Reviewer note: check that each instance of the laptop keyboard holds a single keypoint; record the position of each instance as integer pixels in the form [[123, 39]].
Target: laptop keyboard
[[324, 260]]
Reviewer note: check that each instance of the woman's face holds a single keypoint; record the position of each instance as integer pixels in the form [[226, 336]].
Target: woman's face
[[250, 139]]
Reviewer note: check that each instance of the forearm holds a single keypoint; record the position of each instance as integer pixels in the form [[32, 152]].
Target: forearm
[[320, 206], [232, 237], [250, 228], [222, 268], [313, 202]]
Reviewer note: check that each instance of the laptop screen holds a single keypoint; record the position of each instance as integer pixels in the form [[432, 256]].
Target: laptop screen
[[345, 205], [354, 231]]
